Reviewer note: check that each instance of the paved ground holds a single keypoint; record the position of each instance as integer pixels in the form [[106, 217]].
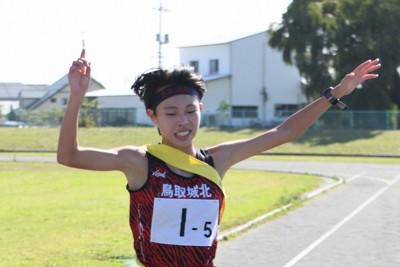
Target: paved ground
[[355, 224]]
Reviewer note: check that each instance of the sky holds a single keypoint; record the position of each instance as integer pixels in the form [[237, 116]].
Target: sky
[[39, 39]]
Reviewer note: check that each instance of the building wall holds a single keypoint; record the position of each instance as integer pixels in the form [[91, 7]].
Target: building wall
[[203, 54], [247, 70], [58, 100], [257, 67], [217, 91], [254, 68], [282, 82], [125, 102]]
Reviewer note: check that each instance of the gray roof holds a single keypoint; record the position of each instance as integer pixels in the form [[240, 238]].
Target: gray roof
[[219, 39], [51, 90], [54, 89], [111, 92], [10, 91]]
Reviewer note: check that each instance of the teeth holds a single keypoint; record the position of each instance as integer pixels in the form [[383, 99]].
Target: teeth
[[182, 133]]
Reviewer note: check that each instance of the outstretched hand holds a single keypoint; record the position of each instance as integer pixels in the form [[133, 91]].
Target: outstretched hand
[[356, 77], [79, 75]]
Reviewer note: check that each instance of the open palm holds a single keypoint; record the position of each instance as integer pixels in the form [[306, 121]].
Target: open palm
[[357, 76]]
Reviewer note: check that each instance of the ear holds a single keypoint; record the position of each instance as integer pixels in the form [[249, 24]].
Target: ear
[[201, 106], [152, 116]]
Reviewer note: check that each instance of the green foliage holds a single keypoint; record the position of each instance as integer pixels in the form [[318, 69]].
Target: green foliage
[[12, 116], [88, 116], [223, 110], [326, 39], [48, 117]]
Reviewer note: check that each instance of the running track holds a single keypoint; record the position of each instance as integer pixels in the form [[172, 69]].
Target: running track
[[354, 224]]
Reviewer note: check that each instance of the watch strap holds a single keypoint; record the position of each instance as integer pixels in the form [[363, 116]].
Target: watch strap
[[333, 100]]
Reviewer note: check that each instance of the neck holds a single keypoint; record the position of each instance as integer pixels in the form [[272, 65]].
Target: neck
[[190, 150]]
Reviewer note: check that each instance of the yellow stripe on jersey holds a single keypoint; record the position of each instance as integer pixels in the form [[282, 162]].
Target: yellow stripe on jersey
[[183, 161]]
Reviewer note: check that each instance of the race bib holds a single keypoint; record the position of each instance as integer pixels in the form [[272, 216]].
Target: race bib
[[185, 222]]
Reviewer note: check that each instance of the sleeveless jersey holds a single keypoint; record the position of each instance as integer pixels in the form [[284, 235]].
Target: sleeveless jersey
[[174, 219]]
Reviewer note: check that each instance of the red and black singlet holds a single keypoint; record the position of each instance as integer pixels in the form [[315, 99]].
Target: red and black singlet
[[174, 219]]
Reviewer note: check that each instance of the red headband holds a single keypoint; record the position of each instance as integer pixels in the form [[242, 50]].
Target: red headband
[[172, 91]]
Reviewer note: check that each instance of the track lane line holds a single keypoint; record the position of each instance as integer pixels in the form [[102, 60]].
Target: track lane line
[[340, 224]]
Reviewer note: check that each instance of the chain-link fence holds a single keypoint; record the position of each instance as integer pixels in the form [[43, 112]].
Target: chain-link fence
[[353, 119], [332, 119]]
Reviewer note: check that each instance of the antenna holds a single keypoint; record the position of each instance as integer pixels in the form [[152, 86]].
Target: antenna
[[161, 39]]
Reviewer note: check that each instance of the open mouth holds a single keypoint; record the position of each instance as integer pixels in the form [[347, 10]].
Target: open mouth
[[182, 134]]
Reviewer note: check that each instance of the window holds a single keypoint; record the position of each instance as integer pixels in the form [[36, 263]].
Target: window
[[285, 110], [53, 100], [118, 117], [65, 101], [214, 66], [195, 65], [245, 112]]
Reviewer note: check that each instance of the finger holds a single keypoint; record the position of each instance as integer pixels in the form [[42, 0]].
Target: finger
[[363, 65], [88, 70], [81, 62], [83, 53], [374, 67], [376, 61], [370, 76], [368, 66]]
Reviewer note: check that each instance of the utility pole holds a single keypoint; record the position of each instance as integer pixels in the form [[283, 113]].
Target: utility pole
[[161, 38]]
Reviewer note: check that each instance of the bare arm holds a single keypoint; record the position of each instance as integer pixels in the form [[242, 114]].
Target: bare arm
[[227, 154], [130, 160]]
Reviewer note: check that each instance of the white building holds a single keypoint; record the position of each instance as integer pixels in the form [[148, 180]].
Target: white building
[[245, 74], [249, 76], [120, 107]]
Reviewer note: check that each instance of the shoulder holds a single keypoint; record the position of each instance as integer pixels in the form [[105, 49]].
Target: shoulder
[[134, 164], [205, 156], [131, 156], [229, 153]]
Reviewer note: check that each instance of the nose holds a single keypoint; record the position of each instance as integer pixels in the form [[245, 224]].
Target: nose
[[183, 119]]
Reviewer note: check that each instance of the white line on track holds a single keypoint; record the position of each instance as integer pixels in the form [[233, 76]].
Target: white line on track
[[340, 224], [352, 178]]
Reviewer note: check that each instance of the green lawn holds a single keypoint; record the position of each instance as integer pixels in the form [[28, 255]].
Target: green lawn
[[313, 141], [57, 216]]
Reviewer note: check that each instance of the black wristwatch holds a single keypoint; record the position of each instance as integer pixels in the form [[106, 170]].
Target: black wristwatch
[[334, 101]]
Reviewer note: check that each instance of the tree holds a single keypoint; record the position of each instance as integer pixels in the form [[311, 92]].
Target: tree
[[12, 116], [88, 115], [326, 39], [223, 109]]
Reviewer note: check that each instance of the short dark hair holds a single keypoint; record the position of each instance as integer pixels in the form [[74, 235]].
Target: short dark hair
[[148, 83]]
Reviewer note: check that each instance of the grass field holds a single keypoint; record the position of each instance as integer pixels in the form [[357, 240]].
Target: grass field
[[313, 141], [57, 216]]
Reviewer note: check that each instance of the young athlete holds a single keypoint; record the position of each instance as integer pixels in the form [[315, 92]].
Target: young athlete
[[176, 197]]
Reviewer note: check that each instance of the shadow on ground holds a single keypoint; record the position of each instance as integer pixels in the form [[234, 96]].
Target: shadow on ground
[[328, 137]]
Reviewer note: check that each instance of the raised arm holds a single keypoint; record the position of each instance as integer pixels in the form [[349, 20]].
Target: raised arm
[[127, 159], [230, 153]]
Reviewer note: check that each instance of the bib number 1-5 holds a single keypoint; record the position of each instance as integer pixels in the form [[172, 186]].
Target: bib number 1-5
[[186, 222]]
